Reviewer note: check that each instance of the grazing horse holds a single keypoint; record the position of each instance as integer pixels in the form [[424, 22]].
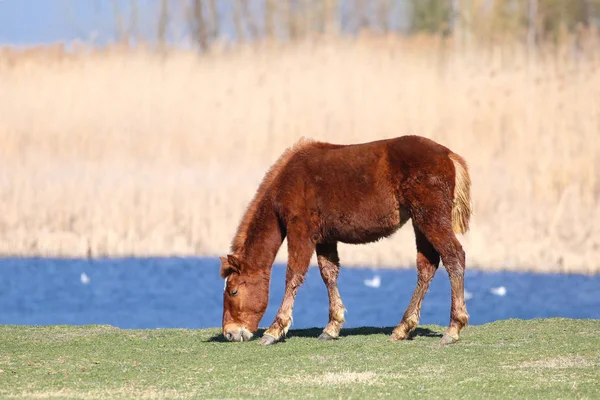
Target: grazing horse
[[318, 194]]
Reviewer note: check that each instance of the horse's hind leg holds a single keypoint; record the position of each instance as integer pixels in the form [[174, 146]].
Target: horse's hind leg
[[453, 258], [329, 265], [300, 250], [428, 260], [438, 230]]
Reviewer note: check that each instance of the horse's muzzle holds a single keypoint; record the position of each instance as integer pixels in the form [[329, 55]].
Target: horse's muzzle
[[237, 334]]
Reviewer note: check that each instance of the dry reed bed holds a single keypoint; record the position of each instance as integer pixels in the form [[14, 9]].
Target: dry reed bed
[[138, 153]]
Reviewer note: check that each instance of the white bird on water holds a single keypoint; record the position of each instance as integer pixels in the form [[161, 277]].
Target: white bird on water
[[374, 283], [84, 278], [499, 291]]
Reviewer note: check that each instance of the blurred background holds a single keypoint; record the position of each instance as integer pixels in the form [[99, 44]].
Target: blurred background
[[143, 128], [134, 133]]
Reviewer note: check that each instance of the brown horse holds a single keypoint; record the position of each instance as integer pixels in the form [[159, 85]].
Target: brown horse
[[318, 194]]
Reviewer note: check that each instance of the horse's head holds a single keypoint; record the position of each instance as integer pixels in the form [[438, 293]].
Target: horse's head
[[244, 300]]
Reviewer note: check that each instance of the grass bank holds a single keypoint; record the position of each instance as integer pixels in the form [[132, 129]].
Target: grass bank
[[551, 358], [112, 152]]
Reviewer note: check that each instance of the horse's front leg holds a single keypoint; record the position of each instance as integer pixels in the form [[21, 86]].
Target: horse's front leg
[[329, 265], [300, 249]]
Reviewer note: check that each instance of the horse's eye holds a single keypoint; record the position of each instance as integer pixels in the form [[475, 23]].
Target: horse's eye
[[234, 293]]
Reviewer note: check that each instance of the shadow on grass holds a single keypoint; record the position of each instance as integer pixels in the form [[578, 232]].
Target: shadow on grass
[[363, 331]]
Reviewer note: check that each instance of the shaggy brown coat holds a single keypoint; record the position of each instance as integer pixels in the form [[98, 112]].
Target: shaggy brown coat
[[318, 194]]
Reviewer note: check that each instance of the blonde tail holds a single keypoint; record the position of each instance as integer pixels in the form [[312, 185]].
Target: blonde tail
[[461, 206]]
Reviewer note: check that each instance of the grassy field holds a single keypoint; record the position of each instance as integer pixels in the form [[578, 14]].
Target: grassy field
[[135, 153], [553, 358]]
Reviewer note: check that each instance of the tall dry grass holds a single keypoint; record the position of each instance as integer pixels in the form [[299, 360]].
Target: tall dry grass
[[136, 153]]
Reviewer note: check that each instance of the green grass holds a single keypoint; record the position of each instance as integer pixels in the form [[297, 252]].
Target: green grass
[[551, 358]]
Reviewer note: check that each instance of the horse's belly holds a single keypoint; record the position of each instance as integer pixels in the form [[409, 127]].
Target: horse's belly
[[366, 227]]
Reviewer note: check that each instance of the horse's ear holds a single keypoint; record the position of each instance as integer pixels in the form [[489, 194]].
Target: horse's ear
[[229, 264], [233, 261]]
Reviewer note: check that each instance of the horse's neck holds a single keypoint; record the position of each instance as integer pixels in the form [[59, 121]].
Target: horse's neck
[[263, 241]]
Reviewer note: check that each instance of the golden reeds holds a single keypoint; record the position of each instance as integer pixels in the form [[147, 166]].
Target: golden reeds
[[136, 153]]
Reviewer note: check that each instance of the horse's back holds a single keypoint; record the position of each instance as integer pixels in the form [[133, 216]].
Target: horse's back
[[361, 171], [397, 158]]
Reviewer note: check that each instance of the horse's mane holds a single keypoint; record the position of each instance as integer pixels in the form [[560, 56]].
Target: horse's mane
[[241, 235]]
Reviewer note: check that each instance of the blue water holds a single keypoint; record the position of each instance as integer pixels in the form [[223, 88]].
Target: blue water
[[187, 293]]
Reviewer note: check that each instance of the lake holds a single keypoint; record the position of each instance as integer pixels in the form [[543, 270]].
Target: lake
[[187, 293]]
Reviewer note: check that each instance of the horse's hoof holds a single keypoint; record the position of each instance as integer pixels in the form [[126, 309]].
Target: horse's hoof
[[326, 336], [267, 340], [396, 337], [447, 339]]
